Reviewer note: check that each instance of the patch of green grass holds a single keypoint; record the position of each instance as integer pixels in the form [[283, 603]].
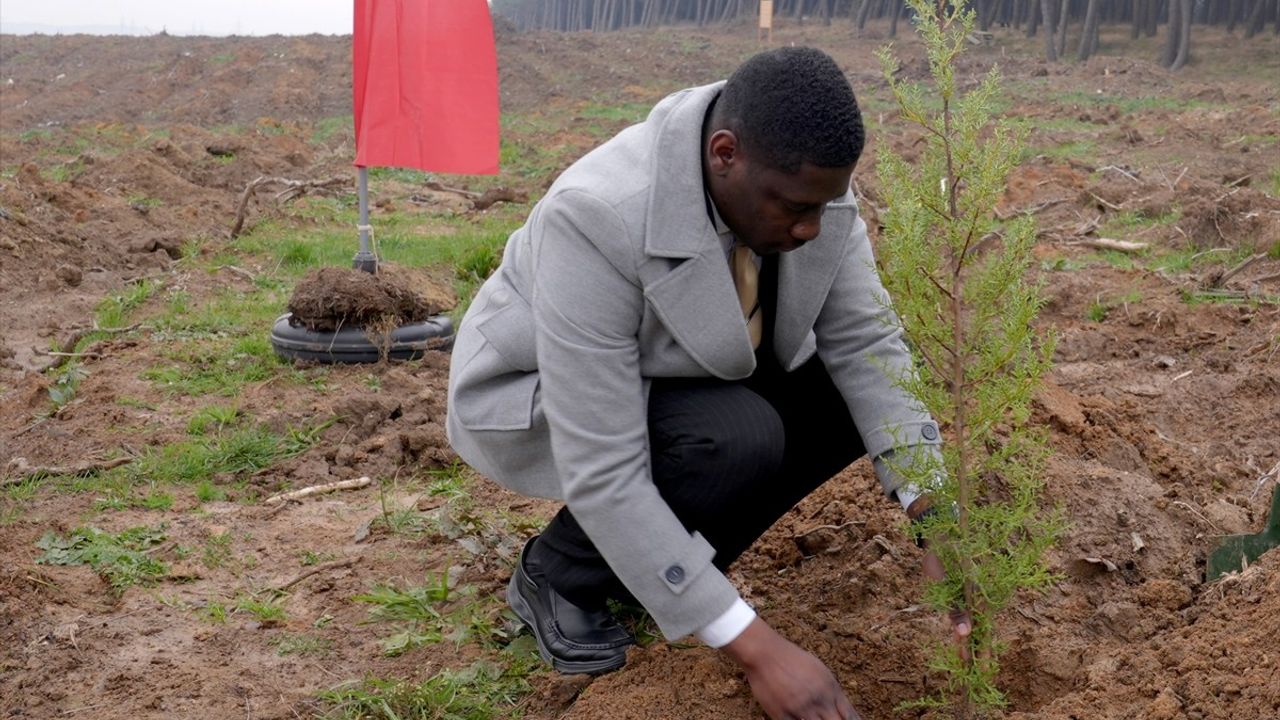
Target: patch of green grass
[[1272, 186], [1128, 104], [230, 312], [1080, 150], [623, 112], [113, 312], [14, 498], [215, 367], [36, 134], [217, 551], [481, 691], [1100, 309], [206, 491], [222, 58], [325, 128], [404, 175], [215, 612], [154, 500], [121, 559], [1128, 222], [450, 481], [1114, 258], [268, 611], [1060, 264], [311, 557], [234, 452], [133, 402], [431, 613], [140, 200], [213, 419]]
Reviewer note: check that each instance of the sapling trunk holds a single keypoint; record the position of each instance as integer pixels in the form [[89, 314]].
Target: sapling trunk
[[958, 279]]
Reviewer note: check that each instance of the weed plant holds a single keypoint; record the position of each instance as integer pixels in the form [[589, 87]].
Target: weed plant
[[121, 559], [431, 613], [958, 280]]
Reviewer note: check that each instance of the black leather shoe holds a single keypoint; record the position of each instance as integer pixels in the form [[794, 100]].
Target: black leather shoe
[[573, 640]]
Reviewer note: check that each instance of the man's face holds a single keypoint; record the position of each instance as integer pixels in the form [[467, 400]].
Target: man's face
[[769, 210]]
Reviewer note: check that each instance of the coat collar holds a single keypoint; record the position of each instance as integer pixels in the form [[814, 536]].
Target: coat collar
[[677, 225]]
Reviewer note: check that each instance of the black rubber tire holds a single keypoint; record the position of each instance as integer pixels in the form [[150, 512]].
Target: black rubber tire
[[349, 344]]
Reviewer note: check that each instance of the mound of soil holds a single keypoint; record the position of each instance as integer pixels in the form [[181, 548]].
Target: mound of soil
[[331, 298]]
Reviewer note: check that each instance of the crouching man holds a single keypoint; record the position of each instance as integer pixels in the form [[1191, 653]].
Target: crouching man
[[686, 338]]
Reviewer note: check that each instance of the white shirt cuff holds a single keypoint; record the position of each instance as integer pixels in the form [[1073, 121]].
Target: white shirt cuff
[[726, 628], [907, 494]]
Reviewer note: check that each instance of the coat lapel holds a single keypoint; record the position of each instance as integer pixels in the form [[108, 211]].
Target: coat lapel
[[694, 298]]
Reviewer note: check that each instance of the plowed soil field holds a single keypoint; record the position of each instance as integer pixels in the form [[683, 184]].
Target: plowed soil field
[[122, 164]]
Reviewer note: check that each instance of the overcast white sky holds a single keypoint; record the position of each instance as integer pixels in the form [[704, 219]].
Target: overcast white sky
[[177, 17]]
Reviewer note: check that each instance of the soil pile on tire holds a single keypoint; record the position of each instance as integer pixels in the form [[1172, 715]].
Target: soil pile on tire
[[331, 298]]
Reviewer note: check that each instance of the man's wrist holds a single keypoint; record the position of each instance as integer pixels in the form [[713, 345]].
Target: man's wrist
[[726, 628]]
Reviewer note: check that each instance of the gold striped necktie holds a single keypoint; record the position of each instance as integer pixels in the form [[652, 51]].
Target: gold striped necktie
[[746, 278]]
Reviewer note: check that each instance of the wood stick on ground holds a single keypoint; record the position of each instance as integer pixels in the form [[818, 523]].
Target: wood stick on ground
[[1120, 170], [293, 188], [1107, 203], [1110, 244], [1221, 280], [18, 469], [440, 187], [67, 347], [239, 271], [322, 567], [86, 354], [307, 492]]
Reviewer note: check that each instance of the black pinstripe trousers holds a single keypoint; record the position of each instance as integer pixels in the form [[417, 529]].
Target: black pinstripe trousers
[[730, 458]]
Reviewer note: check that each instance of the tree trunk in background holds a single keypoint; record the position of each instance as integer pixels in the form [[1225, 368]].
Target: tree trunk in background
[[1173, 41], [1135, 29], [863, 12], [1151, 18], [1049, 11], [1184, 36], [1089, 37], [1063, 18], [1033, 23], [1255, 21], [896, 8]]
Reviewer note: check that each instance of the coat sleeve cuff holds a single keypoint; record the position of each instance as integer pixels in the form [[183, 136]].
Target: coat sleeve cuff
[[895, 483]]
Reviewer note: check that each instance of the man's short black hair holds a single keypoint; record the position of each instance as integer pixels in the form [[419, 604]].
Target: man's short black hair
[[792, 105]]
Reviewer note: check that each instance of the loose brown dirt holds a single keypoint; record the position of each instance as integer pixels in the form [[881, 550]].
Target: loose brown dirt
[[331, 298], [1163, 413]]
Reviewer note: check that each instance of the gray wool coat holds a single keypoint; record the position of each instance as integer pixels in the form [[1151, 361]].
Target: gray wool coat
[[618, 277]]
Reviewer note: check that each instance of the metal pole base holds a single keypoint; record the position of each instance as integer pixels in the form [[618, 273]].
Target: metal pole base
[[366, 261]]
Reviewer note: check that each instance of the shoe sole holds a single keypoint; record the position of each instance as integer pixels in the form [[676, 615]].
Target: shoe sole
[[568, 667]]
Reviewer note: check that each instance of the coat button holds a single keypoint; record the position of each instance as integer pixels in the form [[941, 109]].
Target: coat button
[[675, 574], [929, 432]]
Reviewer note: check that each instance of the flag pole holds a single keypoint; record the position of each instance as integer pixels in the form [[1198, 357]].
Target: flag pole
[[365, 259]]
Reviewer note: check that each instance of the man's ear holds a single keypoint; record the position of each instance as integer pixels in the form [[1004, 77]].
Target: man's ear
[[723, 151]]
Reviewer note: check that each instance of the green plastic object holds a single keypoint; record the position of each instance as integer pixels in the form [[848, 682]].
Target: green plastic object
[[1235, 551]]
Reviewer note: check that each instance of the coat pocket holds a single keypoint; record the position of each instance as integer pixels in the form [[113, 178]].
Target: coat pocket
[[509, 329], [496, 367]]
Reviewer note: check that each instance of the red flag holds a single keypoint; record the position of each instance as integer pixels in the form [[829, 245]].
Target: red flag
[[425, 85]]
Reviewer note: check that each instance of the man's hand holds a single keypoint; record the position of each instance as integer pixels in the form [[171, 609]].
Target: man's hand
[[961, 623], [788, 682]]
